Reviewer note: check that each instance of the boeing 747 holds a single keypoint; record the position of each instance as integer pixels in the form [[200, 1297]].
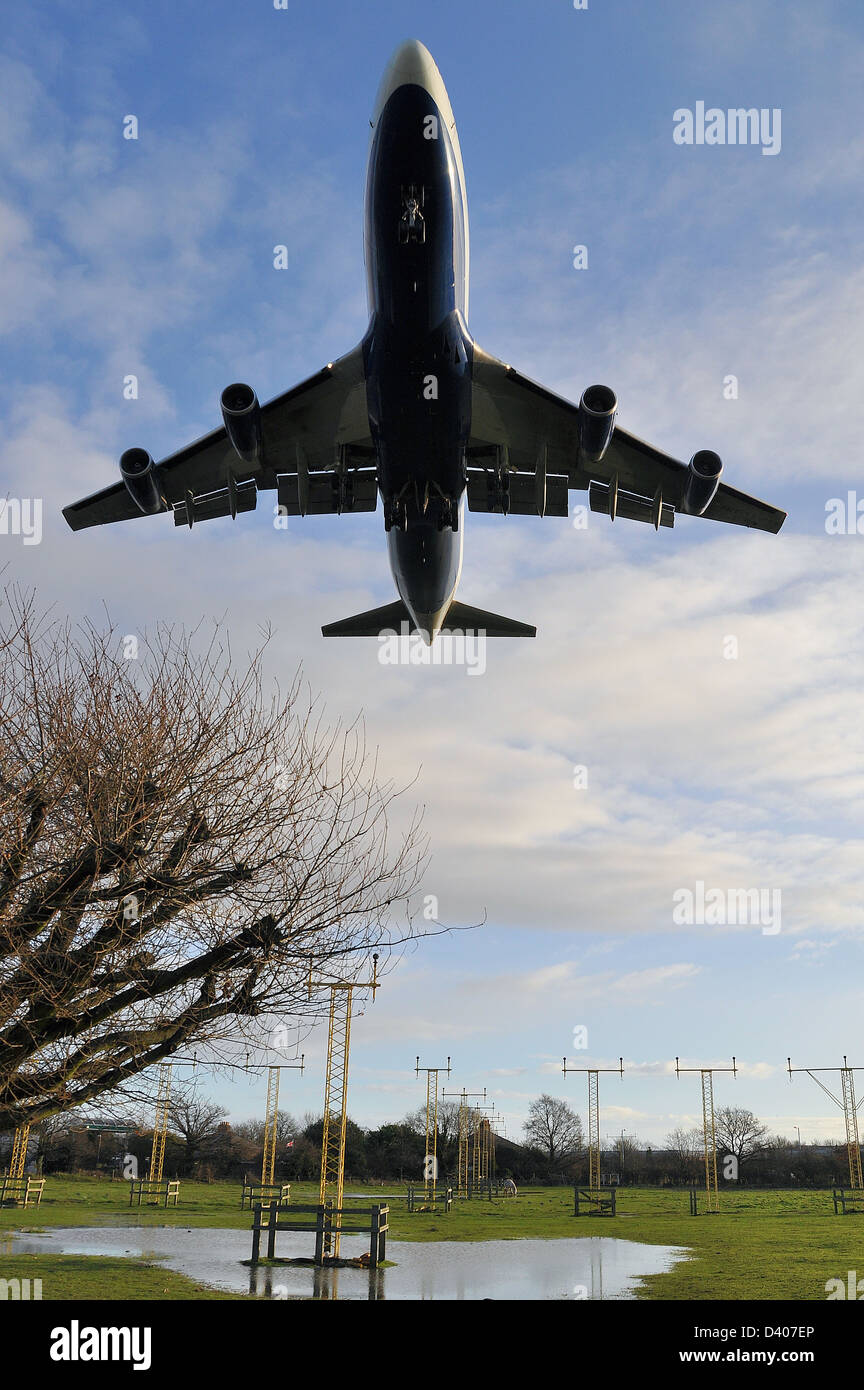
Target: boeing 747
[[418, 414]]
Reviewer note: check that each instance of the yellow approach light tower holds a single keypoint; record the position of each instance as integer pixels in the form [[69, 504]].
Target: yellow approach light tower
[[19, 1152], [479, 1146], [160, 1124], [271, 1119], [593, 1074], [709, 1130], [849, 1106], [430, 1161], [336, 1102], [462, 1164]]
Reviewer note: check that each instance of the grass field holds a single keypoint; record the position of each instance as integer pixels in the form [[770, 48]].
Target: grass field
[[773, 1245]]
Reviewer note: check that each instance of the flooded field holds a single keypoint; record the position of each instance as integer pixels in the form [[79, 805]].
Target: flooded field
[[589, 1268]]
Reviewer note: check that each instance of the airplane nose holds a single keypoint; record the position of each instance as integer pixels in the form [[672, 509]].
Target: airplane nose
[[411, 65], [412, 61]]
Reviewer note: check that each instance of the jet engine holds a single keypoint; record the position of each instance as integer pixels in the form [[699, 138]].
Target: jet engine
[[242, 415], [597, 410], [141, 476], [701, 482]]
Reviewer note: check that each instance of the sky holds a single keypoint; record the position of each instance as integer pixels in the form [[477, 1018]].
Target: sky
[[690, 711]]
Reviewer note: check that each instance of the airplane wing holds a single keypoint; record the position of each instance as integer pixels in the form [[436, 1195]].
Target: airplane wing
[[537, 432], [320, 427]]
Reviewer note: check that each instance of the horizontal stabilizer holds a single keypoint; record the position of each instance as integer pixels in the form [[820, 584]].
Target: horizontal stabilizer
[[461, 618], [370, 624]]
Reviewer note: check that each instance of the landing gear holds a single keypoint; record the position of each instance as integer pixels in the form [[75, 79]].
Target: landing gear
[[432, 506], [395, 514], [447, 514]]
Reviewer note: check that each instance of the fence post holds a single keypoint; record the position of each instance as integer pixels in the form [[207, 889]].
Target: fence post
[[319, 1237], [373, 1237], [271, 1230], [256, 1234]]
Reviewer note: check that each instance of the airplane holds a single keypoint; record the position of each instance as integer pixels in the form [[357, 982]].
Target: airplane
[[418, 413]]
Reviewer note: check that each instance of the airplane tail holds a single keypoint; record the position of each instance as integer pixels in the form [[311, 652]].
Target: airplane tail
[[461, 617]]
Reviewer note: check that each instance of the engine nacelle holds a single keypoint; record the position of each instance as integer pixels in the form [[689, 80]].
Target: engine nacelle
[[141, 476], [701, 482], [242, 415], [597, 410]]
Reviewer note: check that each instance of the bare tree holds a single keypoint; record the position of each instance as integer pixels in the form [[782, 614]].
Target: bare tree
[[448, 1129], [178, 849], [739, 1132], [196, 1121], [448, 1120], [553, 1127], [286, 1129], [687, 1148]]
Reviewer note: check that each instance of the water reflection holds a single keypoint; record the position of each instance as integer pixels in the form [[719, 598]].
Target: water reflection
[[269, 1282], [592, 1267]]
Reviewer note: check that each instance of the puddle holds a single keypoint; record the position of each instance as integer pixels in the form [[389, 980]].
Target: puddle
[[595, 1267]]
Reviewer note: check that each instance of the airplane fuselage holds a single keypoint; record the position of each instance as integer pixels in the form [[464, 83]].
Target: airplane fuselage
[[417, 350]]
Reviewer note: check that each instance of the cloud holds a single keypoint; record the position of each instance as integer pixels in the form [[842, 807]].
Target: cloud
[[155, 258]]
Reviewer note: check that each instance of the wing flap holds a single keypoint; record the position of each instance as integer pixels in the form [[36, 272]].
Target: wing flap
[[243, 497], [629, 505], [328, 493], [518, 494]]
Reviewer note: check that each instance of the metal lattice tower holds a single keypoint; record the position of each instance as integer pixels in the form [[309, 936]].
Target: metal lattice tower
[[332, 1181], [593, 1130], [481, 1130], [709, 1130], [491, 1161], [462, 1158], [850, 1114], [593, 1074], [475, 1129], [430, 1161], [268, 1161], [849, 1106], [335, 1111], [464, 1150], [271, 1118], [484, 1149], [19, 1151], [160, 1124]]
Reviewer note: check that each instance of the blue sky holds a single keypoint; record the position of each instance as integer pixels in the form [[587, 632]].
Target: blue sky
[[155, 257]]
